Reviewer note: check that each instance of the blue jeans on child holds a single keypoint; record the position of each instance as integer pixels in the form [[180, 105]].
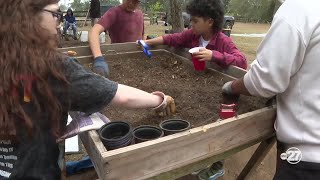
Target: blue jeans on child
[[73, 26]]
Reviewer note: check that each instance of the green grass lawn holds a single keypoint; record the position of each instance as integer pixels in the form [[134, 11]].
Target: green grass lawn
[[248, 45], [249, 28]]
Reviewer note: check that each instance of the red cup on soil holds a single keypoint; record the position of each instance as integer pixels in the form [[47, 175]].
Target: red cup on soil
[[198, 65]]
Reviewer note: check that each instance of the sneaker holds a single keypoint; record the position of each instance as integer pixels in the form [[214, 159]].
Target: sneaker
[[210, 174], [195, 173], [213, 172]]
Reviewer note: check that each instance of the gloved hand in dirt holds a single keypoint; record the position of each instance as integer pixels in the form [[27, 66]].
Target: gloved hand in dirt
[[167, 106], [229, 96], [100, 66], [227, 88]]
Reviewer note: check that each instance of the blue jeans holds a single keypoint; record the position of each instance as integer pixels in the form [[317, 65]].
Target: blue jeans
[[73, 26]]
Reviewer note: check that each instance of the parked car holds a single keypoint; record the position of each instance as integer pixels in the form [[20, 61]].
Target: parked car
[[228, 22]]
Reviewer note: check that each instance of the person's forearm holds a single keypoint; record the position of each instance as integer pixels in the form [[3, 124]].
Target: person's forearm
[[238, 87], [155, 41], [130, 97], [94, 43]]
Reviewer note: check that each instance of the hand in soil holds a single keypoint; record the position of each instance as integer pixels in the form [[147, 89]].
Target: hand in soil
[[229, 98], [167, 107], [227, 88], [100, 66]]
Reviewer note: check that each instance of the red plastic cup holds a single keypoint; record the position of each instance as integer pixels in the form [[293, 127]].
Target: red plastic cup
[[198, 65]]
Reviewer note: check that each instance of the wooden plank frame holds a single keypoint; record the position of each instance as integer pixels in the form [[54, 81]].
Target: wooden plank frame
[[177, 155]]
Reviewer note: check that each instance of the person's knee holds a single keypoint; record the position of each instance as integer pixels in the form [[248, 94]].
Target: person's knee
[[66, 26]]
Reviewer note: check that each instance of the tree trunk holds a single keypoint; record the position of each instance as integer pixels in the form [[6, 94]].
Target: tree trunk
[[176, 15]]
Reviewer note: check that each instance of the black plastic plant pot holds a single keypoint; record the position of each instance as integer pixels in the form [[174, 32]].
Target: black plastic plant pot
[[146, 133], [173, 126], [116, 134]]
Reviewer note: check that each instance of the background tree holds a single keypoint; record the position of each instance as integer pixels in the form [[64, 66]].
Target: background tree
[[78, 5], [226, 5], [110, 2], [63, 7], [176, 15], [253, 10]]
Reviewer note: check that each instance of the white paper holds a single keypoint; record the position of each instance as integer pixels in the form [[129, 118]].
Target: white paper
[[72, 144]]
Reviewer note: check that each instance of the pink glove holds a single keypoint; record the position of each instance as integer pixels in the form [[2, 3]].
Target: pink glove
[[167, 106]]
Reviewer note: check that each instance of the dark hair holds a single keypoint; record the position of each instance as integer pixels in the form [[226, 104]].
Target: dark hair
[[29, 59], [208, 9], [71, 12]]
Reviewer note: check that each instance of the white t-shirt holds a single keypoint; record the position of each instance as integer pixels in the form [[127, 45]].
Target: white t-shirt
[[288, 65], [203, 43]]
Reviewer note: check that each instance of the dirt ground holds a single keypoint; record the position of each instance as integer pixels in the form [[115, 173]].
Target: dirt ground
[[173, 80], [197, 97]]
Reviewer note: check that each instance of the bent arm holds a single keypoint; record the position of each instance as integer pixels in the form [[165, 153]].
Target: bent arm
[[130, 97], [94, 40]]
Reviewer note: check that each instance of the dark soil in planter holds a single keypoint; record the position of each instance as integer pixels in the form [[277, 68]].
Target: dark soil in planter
[[197, 97]]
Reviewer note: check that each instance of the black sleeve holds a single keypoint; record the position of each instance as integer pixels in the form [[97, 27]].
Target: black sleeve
[[88, 92]]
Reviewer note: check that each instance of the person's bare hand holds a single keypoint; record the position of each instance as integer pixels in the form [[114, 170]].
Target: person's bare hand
[[203, 55], [167, 106]]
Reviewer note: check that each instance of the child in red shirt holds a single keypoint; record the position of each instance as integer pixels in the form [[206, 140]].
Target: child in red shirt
[[207, 20]]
